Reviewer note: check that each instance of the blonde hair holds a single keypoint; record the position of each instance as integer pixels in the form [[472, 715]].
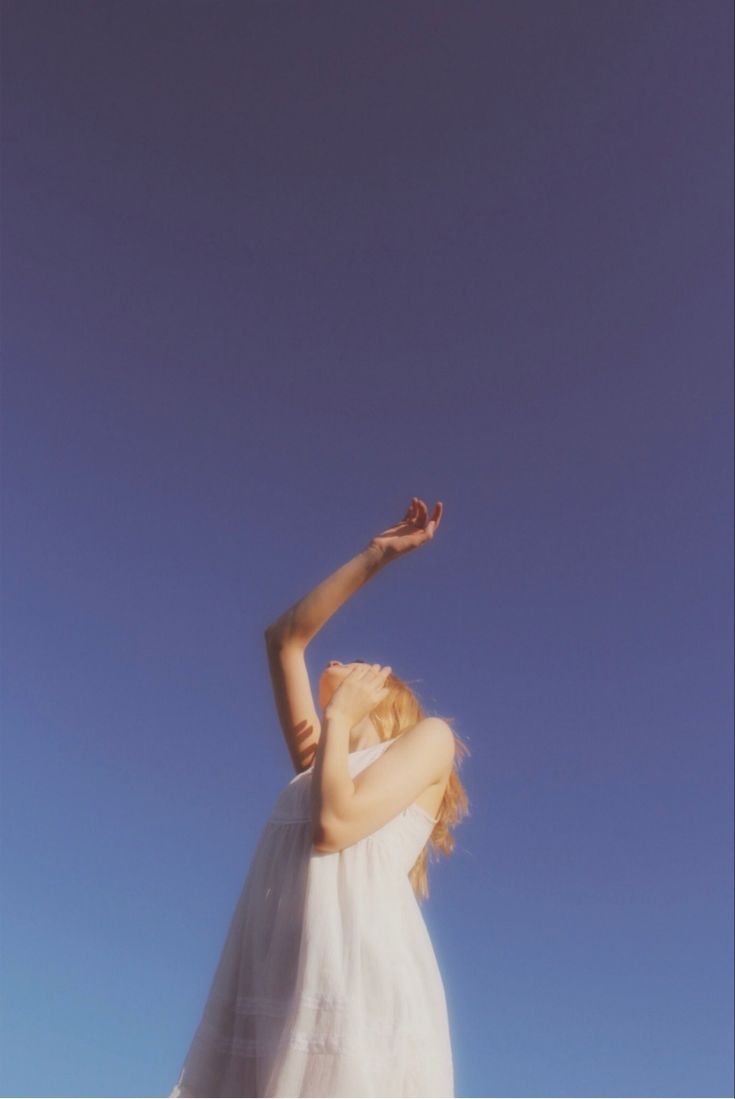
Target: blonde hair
[[399, 711]]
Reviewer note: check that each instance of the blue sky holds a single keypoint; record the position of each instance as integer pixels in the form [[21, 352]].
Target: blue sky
[[270, 270]]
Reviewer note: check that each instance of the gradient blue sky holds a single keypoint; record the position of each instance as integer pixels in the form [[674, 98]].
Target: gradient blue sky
[[270, 269]]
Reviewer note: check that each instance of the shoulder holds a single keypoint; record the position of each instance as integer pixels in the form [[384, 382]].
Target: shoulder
[[433, 735]]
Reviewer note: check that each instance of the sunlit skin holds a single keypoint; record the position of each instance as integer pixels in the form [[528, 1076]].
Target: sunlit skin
[[348, 807], [362, 735], [345, 808]]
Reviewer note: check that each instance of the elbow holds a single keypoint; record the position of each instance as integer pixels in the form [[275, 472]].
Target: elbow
[[279, 628], [272, 634], [321, 846], [283, 626], [279, 634], [323, 839]]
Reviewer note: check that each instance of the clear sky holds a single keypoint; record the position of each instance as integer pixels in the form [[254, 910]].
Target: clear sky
[[270, 269]]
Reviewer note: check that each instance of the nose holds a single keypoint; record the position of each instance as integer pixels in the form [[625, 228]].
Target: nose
[[333, 662]]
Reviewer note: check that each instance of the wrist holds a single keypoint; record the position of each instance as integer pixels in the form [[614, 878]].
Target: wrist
[[378, 554], [337, 718]]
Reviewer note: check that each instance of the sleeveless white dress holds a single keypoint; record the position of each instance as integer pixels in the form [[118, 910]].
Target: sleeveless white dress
[[327, 984]]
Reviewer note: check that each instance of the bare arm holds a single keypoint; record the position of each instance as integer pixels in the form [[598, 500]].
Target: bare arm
[[304, 619], [286, 641], [288, 636], [345, 810]]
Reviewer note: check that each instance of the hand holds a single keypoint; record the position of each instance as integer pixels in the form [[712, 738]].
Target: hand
[[360, 691], [412, 531]]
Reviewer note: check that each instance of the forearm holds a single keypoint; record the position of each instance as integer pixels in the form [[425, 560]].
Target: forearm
[[332, 787], [305, 618]]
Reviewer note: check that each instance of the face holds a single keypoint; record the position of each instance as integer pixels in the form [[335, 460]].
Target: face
[[331, 678]]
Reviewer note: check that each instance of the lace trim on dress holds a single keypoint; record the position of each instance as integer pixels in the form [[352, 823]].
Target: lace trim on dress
[[264, 1005], [253, 1047], [333, 1042]]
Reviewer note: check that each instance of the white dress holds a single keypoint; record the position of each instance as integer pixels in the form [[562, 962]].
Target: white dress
[[327, 984]]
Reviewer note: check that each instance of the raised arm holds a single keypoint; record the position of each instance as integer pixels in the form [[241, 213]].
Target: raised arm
[[286, 641], [288, 636], [304, 619]]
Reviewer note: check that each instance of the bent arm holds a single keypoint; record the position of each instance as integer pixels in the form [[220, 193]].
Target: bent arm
[[345, 810], [286, 642], [306, 617]]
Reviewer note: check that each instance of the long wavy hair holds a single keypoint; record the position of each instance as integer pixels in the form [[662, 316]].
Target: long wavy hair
[[398, 712]]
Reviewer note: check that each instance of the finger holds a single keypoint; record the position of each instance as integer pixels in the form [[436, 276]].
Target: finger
[[433, 524], [422, 513]]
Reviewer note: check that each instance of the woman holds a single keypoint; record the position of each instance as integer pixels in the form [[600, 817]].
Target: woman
[[327, 984]]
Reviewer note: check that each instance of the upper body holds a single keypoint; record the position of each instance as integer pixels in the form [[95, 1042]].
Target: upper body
[[416, 770], [360, 705]]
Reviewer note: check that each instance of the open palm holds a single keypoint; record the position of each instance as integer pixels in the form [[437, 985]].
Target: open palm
[[414, 529]]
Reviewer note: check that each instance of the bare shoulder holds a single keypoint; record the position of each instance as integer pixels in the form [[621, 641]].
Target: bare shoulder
[[434, 736], [411, 771]]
